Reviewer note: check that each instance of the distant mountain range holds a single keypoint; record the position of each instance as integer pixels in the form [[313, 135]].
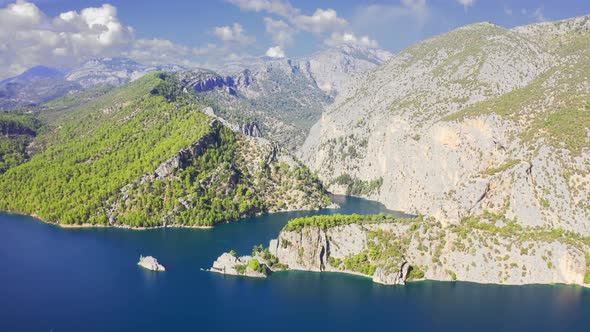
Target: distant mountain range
[[283, 97], [41, 84]]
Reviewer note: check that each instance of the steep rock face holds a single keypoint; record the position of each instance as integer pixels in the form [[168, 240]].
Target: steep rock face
[[316, 249], [286, 96], [330, 69], [469, 122], [388, 252], [204, 80]]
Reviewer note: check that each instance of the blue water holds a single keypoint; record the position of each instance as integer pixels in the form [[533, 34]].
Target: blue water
[[54, 279]]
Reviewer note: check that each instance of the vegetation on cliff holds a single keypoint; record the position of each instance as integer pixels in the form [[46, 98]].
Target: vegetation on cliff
[[490, 248], [329, 221], [16, 131], [126, 158]]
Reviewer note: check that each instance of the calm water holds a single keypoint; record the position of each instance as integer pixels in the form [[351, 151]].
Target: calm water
[[54, 279]]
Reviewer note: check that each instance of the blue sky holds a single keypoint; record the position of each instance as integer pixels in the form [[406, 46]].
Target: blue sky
[[205, 33]]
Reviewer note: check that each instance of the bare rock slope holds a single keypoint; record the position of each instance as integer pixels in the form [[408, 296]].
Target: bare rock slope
[[480, 120]]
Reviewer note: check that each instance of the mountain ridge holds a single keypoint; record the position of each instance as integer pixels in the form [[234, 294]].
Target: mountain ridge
[[435, 120]]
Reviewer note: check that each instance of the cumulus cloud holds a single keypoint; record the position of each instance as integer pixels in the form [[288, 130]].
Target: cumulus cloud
[[280, 31], [322, 21], [278, 7], [29, 37], [275, 52], [233, 34], [349, 38], [325, 23], [158, 51]]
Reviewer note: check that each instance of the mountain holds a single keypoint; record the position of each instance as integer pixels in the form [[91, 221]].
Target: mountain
[[147, 154], [480, 121], [34, 86], [286, 96], [41, 84], [112, 71], [282, 98]]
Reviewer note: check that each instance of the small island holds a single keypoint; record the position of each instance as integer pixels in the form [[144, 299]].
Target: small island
[[150, 263], [260, 265]]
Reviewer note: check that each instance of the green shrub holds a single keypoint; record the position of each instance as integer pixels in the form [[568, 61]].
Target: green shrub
[[416, 273]]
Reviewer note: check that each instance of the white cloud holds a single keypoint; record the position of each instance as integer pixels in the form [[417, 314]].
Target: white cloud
[[233, 34], [278, 7], [28, 37], [322, 21], [158, 51], [466, 3], [325, 23], [508, 11], [349, 38], [280, 31], [539, 14], [275, 52]]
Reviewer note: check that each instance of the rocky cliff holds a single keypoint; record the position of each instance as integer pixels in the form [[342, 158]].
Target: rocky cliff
[[392, 251], [482, 119], [286, 96]]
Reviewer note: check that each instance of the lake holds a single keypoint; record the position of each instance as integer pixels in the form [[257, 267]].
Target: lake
[[54, 279]]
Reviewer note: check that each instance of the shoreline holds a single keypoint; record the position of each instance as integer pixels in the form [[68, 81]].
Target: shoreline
[[144, 228], [88, 225], [407, 282]]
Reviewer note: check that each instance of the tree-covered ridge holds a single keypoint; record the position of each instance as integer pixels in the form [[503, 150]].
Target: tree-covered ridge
[[100, 167], [16, 133], [329, 221]]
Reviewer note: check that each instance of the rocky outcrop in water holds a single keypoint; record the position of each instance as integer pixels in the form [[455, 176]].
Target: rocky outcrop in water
[[150, 263], [239, 266]]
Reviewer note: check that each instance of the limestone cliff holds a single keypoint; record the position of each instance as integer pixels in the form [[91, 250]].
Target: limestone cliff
[[483, 119], [392, 251]]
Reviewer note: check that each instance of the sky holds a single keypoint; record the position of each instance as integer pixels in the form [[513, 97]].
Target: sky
[[209, 33]]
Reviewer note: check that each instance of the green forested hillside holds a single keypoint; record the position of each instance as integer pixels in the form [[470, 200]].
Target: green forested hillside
[[99, 164], [16, 132]]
